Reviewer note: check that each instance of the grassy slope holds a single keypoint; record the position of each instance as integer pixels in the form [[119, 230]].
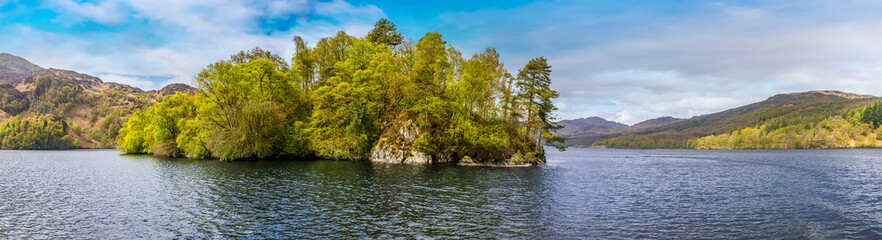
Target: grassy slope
[[779, 110], [92, 111]]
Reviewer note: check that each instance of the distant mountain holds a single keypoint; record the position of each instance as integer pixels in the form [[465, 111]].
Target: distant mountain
[[173, 88], [587, 136], [655, 122], [55, 109], [590, 124], [14, 68], [804, 109]]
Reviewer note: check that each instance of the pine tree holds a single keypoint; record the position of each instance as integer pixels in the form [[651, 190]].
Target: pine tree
[[535, 96]]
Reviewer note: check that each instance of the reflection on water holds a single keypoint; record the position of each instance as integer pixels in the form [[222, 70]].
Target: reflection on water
[[590, 193]]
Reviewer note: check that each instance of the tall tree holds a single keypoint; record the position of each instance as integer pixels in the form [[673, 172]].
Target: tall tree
[[384, 32], [303, 64], [429, 70], [536, 95], [343, 123], [258, 53], [244, 104], [327, 52], [168, 120], [348, 97]]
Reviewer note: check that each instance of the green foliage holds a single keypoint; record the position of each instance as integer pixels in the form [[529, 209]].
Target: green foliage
[[258, 53], [136, 135], [98, 109], [536, 96], [254, 132], [872, 114], [346, 96], [303, 66], [34, 132], [384, 32], [53, 95], [828, 123], [244, 107], [344, 124], [833, 132], [791, 111], [169, 119], [12, 101]]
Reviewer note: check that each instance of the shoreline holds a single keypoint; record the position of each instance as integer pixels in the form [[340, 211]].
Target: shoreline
[[501, 165], [604, 147]]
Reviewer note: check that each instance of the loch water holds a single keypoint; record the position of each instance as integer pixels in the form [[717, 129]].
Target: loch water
[[583, 193]]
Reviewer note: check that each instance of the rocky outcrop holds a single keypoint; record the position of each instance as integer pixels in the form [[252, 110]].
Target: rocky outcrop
[[396, 145]]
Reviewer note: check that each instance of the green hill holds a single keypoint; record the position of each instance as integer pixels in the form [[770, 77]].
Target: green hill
[[60, 109], [780, 118]]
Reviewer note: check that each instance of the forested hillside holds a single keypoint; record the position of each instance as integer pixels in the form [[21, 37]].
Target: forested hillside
[[373, 97], [817, 119], [60, 109]]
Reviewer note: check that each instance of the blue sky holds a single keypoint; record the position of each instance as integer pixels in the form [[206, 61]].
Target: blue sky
[[622, 60]]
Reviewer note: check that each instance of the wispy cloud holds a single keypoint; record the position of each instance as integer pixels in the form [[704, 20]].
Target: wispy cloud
[[622, 60], [132, 41], [106, 12], [687, 58]]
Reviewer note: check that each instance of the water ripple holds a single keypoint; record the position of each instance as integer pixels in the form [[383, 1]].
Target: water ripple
[[584, 193]]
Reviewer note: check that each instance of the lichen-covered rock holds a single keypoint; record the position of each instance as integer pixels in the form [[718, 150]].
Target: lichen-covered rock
[[396, 145]]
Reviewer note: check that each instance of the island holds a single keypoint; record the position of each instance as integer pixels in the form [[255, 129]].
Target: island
[[376, 97]]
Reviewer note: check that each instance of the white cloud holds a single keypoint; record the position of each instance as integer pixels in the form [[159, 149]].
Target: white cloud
[[622, 63], [176, 38], [648, 62], [128, 80], [104, 12]]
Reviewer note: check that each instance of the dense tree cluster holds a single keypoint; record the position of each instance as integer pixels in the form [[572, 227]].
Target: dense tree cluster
[[93, 115], [835, 132], [11, 100], [847, 130], [799, 120], [872, 114], [34, 132], [347, 95]]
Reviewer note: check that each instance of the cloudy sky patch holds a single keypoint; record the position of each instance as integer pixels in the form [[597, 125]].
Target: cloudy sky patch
[[622, 60]]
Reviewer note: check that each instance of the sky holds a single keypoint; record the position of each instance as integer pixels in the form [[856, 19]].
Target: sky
[[622, 60]]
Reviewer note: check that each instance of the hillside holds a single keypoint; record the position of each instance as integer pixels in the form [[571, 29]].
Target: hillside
[[655, 122], [806, 110], [56, 109], [13, 68], [588, 137], [590, 124]]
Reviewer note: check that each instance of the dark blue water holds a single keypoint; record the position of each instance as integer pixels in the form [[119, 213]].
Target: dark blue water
[[584, 193]]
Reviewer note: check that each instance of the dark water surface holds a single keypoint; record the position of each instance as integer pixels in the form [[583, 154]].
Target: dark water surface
[[584, 193]]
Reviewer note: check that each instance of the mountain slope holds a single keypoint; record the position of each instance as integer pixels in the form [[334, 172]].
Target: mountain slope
[[590, 124], [14, 68], [655, 122], [590, 136], [54, 109], [804, 109]]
